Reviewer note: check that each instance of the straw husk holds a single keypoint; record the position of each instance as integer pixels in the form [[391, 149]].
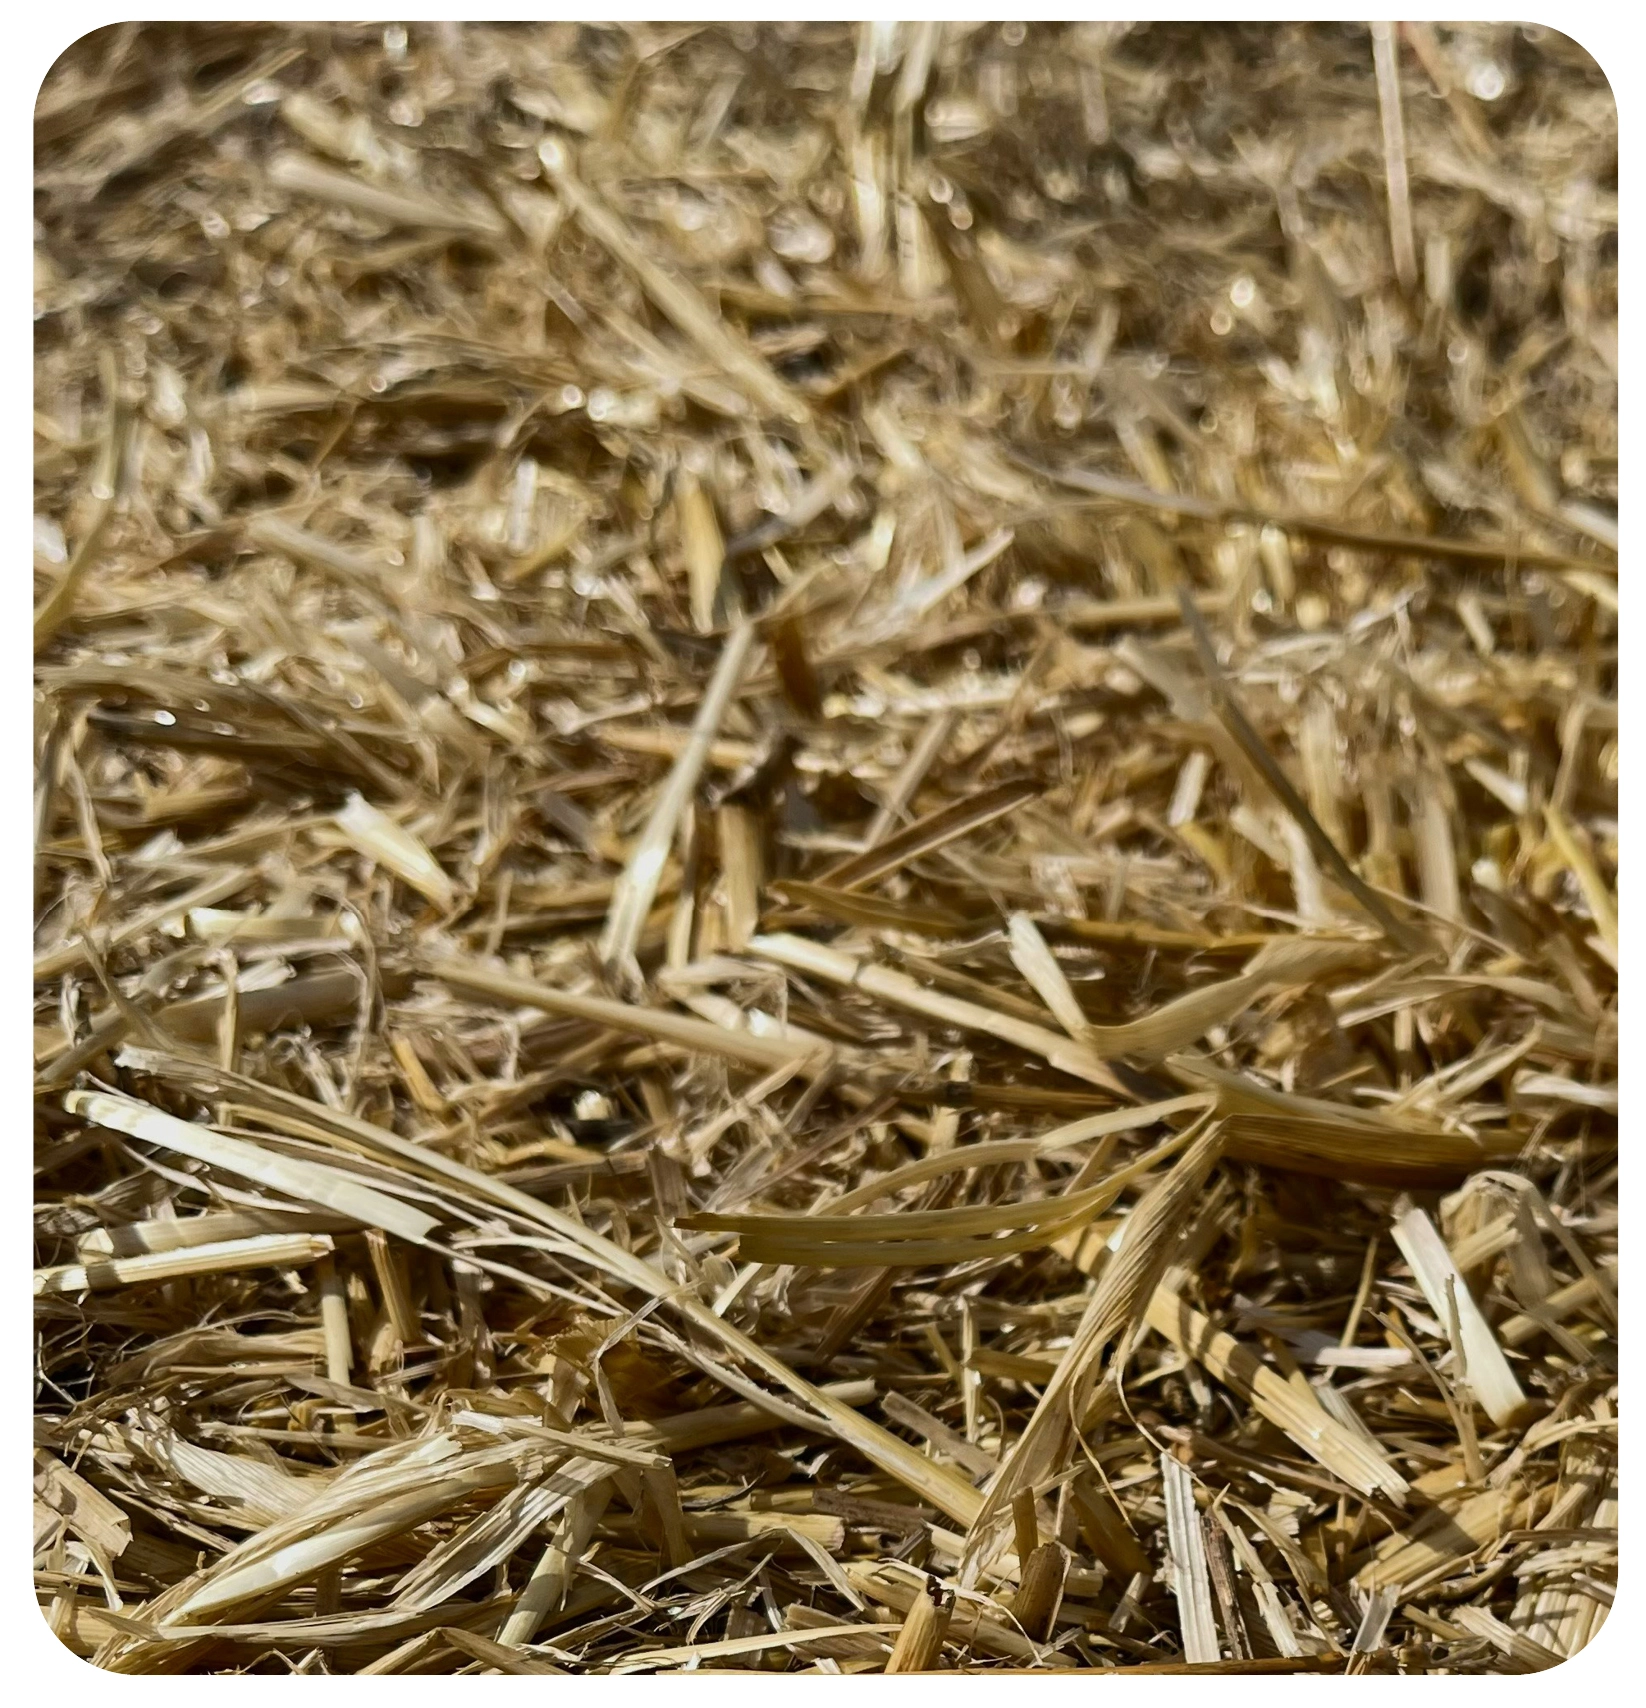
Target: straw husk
[[827, 848]]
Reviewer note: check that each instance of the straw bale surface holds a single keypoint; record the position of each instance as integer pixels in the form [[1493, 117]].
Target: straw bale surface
[[827, 848]]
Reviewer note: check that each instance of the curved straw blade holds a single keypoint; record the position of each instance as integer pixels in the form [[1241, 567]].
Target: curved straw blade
[[1115, 1309], [312, 1182]]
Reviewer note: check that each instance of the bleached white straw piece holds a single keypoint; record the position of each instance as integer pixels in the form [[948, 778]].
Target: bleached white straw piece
[[1191, 1577], [1489, 1374], [370, 831], [313, 1182]]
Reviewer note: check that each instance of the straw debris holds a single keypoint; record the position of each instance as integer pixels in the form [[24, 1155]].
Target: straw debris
[[827, 848]]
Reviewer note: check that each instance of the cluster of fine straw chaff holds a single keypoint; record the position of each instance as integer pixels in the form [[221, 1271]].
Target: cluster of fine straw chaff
[[827, 848]]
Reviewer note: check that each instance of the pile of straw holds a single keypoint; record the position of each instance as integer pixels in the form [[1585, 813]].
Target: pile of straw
[[827, 848]]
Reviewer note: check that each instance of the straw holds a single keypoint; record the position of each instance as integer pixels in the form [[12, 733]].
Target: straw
[[827, 848]]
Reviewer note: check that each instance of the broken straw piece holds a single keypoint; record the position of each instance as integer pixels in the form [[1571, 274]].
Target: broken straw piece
[[1488, 1373], [370, 831], [637, 888], [262, 1251], [313, 1182], [1034, 959], [1191, 1578]]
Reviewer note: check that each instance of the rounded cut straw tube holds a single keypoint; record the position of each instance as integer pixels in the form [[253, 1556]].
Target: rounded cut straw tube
[[920, 1642]]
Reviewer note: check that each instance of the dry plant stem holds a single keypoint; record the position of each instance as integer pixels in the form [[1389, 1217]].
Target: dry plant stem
[[1448, 1296], [1435, 61], [58, 606], [314, 1182], [958, 1499], [1040, 1589], [309, 177], [1363, 1293], [1109, 1320], [1283, 1130], [1582, 865], [1314, 527], [919, 1644], [1474, 1467], [546, 1588], [174, 1234], [899, 988], [1105, 1126], [1221, 1564], [277, 1251], [927, 835], [1385, 53], [70, 956], [1459, 1405], [1252, 745], [967, 1624], [705, 549], [1038, 965], [334, 1321], [391, 1284], [1360, 1463], [1191, 1578], [922, 756], [672, 295], [661, 1024], [636, 889], [379, 838], [1025, 1523]]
